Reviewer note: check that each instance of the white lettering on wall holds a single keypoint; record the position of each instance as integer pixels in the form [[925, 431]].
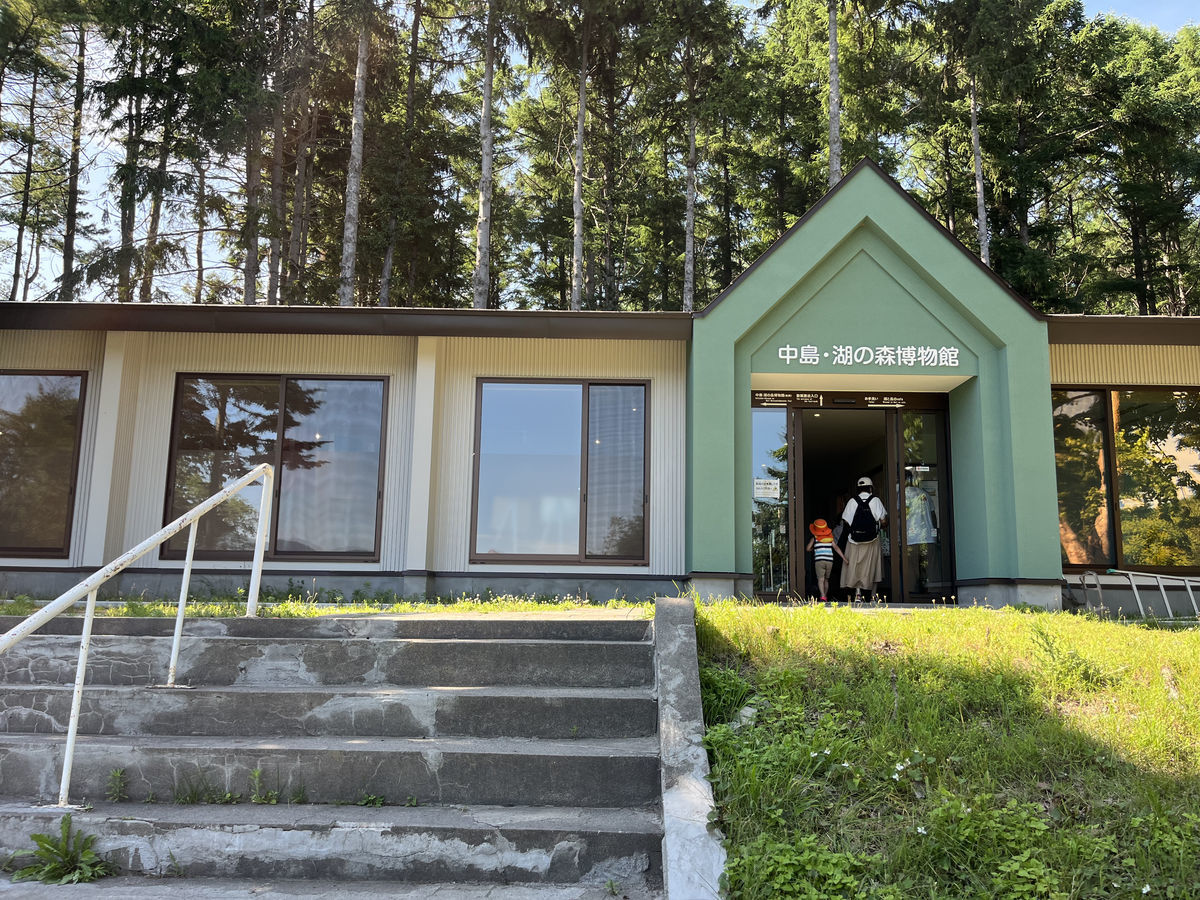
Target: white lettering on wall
[[886, 356]]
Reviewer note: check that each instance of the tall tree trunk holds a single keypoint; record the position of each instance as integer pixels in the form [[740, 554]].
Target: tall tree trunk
[[275, 250], [35, 267], [689, 218], [1145, 299], [25, 190], [725, 242], [481, 280], [835, 100], [201, 219], [577, 197], [128, 196], [71, 225], [150, 256], [354, 170], [984, 253], [405, 165], [253, 180]]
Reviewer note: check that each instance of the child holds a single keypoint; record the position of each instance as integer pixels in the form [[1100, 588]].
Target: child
[[823, 548]]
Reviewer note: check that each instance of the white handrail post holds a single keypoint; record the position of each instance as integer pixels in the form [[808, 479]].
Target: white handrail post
[[85, 642], [1187, 583], [260, 540], [183, 595]]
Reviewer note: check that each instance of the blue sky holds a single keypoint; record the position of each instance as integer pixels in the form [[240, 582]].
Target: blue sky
[[1168, 15]]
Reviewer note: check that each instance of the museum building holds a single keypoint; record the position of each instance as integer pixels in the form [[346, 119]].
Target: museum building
[[617, 454]]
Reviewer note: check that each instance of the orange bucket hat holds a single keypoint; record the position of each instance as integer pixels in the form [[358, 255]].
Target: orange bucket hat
[[820, 529]]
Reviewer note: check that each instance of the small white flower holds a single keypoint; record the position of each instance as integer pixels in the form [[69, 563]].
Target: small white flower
[[814, 753], [826, 751], [968, 809], [921, 829], [845, 765], [1145, 889], [895, 777], [899, 767]]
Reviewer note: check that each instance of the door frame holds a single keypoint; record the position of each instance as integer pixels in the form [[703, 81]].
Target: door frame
[[892, 405]]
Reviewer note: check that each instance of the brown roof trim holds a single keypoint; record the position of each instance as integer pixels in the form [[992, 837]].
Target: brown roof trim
[[1173, 330], [866, 163], [335, 320]]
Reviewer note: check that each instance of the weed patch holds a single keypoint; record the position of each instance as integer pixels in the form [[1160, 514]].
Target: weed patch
[[66, 859], [952, 753]]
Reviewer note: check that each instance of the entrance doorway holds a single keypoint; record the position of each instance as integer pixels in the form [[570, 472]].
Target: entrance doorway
[[809, 452]]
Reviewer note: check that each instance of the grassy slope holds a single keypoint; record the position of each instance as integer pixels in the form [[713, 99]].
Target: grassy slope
[[953, 753]]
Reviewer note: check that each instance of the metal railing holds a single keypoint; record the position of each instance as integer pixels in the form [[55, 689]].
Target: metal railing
[[1159, 579], [91, 588]]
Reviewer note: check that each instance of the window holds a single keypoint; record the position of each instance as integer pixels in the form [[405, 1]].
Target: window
[[1085, 527], [324, 436], [1148, 516], [560, 472], [40, 427]]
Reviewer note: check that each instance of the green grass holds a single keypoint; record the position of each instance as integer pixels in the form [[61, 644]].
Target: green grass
[[953, 753], [294, 604]]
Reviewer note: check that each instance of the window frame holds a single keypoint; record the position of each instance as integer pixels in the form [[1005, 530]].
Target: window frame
[[581, 557], [276, 461], [63, 551], [1113, 492]]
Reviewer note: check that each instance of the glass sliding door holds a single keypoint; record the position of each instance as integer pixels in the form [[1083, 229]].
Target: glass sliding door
[[770, 497], [926, 561]]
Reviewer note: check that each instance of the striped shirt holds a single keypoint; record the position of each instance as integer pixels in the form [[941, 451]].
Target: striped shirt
[[823, 549]]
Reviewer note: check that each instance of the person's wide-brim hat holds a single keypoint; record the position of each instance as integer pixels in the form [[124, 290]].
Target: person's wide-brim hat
[[820, 529]]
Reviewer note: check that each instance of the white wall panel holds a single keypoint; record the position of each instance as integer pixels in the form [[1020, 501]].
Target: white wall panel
[[463, 360], [73, 350], [166, 355]]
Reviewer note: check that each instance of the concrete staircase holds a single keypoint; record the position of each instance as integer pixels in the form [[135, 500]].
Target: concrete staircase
[[420, 749]]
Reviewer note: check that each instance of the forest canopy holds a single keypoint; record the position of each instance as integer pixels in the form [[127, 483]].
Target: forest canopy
[[594, 154]]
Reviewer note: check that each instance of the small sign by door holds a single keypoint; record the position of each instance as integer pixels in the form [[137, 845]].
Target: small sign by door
[[766, 488]]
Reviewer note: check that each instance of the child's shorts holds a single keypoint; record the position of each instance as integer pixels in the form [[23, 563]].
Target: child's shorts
[[823, 567]]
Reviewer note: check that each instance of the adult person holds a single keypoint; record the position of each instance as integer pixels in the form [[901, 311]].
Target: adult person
[[864, 516]]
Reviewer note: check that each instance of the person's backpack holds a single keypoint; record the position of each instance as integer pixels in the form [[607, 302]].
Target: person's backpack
[[864, 527]]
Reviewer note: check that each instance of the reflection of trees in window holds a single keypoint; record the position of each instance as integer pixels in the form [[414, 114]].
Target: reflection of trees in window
[[39, 429], [1084, 519], [1157, 442], [770, 518], [625, 537], [224, 427]]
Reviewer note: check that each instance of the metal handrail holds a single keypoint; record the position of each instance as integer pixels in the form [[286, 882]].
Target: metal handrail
[[1188, 583], [91, 588]]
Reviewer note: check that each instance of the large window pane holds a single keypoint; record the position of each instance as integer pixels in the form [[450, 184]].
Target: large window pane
[[530, 439], [616, 476], [1085, 527], [329, 481], [1157, 439], [39, 437], [223, 428]]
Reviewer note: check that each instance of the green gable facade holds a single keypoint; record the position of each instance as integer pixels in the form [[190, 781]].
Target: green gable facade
[[868, 296]]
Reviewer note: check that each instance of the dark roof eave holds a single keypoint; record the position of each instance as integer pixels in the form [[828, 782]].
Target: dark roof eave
[[357, 321], [1168, 330]]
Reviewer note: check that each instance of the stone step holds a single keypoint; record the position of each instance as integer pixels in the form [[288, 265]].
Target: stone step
[[494, 771], [115, 659], [248, 711], [344, 844], [577, 625]]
